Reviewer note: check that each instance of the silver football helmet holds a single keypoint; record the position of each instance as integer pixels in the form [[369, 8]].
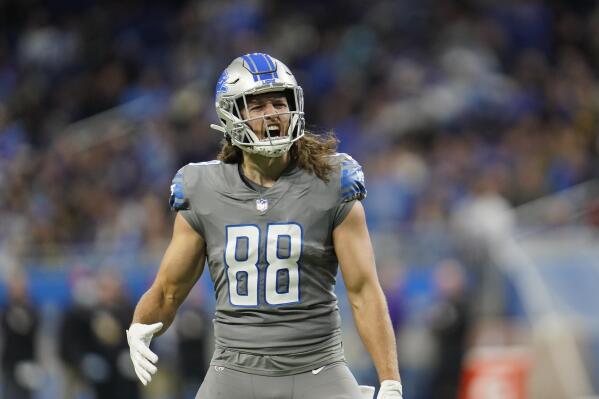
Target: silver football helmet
[[252, 74]]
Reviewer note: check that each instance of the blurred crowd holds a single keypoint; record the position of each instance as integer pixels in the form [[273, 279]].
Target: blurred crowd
[[82, 353], [441, 102]]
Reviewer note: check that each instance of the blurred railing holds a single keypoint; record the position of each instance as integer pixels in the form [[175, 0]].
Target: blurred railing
[[553, 261]]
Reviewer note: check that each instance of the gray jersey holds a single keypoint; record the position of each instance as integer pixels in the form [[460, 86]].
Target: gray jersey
[[272, 261]]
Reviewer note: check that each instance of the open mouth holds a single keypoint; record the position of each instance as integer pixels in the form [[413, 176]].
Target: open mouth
[[274, 130]]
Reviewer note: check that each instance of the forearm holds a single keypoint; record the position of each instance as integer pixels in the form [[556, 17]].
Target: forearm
[[154, 306], [372, 321], [181, 266]]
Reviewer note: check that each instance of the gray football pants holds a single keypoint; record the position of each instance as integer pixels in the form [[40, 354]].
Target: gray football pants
[[334, 381]]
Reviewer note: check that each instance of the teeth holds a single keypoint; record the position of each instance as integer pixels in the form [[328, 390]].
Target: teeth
[[273, 127]]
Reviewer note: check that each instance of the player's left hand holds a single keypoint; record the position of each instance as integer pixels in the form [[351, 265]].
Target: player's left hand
[[390, 390]]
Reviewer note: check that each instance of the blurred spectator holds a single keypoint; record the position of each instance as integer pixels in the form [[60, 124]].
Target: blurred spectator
[[192, 328], [92, 340], [481, 222], [109, 319], [21, 374], [75, 340], [450, 322]]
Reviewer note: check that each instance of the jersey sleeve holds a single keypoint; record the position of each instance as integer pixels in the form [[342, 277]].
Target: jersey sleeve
[[352, 187], [352, 180], [180, 200]]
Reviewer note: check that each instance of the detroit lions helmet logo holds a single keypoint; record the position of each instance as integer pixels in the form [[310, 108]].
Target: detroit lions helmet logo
[[221, 84]]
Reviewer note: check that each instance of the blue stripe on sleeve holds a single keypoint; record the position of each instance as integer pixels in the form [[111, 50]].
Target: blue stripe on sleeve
[[352, 181], [177, 200]]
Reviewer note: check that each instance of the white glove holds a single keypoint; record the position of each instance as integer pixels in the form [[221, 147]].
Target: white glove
[[390, 390], [367, 391], [139, 337]]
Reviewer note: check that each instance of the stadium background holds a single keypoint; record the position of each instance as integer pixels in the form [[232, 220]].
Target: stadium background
[[476, 122]]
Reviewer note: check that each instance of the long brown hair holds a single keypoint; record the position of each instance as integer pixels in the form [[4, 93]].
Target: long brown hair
[[309, 152]]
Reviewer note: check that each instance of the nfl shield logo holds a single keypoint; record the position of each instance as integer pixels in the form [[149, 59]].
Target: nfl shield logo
[[261, 205]]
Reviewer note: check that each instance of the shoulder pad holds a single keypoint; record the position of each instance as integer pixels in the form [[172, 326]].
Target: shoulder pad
[[352, 179], [178, 200]]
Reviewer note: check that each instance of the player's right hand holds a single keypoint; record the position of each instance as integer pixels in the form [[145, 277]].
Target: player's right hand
[[139, 337]]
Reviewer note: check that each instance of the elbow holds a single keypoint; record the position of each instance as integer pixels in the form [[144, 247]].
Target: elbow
[[359, 307], [366, 296], [163, 296], [357, 297], [171, 299]]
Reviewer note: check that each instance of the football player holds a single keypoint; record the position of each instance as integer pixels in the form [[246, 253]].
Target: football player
[[273, 217]]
